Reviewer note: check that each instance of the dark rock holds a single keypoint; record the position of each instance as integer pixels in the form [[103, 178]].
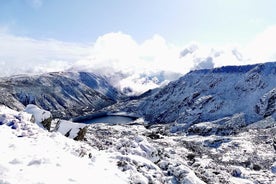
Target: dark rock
[[191, 156], [81, 134], [256, 167], [68, 133], [153, 135], [47, 123], [236, 172]]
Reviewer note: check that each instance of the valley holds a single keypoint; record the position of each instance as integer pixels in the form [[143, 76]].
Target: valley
[[210, 126]]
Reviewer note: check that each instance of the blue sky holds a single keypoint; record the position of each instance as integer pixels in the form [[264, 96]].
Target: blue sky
[[178, 21], [136, 38]]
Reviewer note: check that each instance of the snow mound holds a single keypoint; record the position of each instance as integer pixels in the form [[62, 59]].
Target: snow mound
[[69, 128], [40, 115]]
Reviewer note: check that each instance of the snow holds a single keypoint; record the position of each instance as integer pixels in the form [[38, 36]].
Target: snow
[[240, 181], [69, 127], [39, 114], [131, 154], [30, 154]]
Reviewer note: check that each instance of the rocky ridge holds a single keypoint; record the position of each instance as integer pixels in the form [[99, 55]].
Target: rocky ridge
[[212, 94], [65, 94]]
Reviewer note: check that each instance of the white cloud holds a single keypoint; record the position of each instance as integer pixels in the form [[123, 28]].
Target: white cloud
[[262, 48], [26, 55], [138, 65]]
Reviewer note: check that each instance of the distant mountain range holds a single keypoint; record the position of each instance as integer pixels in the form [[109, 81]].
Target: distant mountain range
[[209, 126], [200, 95], [211, 94], [65, 94]]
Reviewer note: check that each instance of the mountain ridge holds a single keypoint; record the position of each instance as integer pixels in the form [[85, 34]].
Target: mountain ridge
[[211, 94], [65, 94], [200, 95]]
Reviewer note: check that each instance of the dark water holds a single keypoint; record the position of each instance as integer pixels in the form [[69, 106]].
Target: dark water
[[110, 119]]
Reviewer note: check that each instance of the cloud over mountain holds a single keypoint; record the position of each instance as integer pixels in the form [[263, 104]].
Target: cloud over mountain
[[141, 65]]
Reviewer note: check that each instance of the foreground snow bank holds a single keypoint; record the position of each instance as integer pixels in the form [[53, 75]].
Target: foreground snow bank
[[30, 154], [133, 154]]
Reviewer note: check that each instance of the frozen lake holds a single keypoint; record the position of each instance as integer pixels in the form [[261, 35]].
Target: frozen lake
[[113, 119]]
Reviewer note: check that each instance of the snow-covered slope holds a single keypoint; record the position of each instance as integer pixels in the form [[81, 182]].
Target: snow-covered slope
[[208, 95], [65, 94], [31, 155], [39, 115], [132, 153], [155, 155], [97, 82]]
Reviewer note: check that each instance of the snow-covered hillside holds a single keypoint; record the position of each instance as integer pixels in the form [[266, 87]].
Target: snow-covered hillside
[[208, 95], [30, 154], [156, 155], [65, 94], [132, 153], [210, 126]]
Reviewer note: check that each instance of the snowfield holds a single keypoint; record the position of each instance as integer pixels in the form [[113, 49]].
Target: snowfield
[[30, 154], [132, 153]]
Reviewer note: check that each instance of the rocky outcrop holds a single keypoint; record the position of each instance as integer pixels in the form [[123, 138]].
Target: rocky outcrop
[[46, 123], [81, 134], [41, 117], [267, 104]]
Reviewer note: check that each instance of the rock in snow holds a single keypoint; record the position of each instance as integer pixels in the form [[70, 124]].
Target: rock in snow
[[42, 117]]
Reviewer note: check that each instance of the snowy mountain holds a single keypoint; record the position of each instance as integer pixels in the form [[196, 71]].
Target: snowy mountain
[[212, 94], [210, 126], [65, 94]]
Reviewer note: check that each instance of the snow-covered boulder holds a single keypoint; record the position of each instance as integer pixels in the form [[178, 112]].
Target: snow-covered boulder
[[42, 117], [72, 130]]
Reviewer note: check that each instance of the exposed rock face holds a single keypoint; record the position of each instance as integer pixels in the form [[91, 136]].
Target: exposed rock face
[[208, 95], [267, 104], [47, 123], [64, 94], [81, 134]]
